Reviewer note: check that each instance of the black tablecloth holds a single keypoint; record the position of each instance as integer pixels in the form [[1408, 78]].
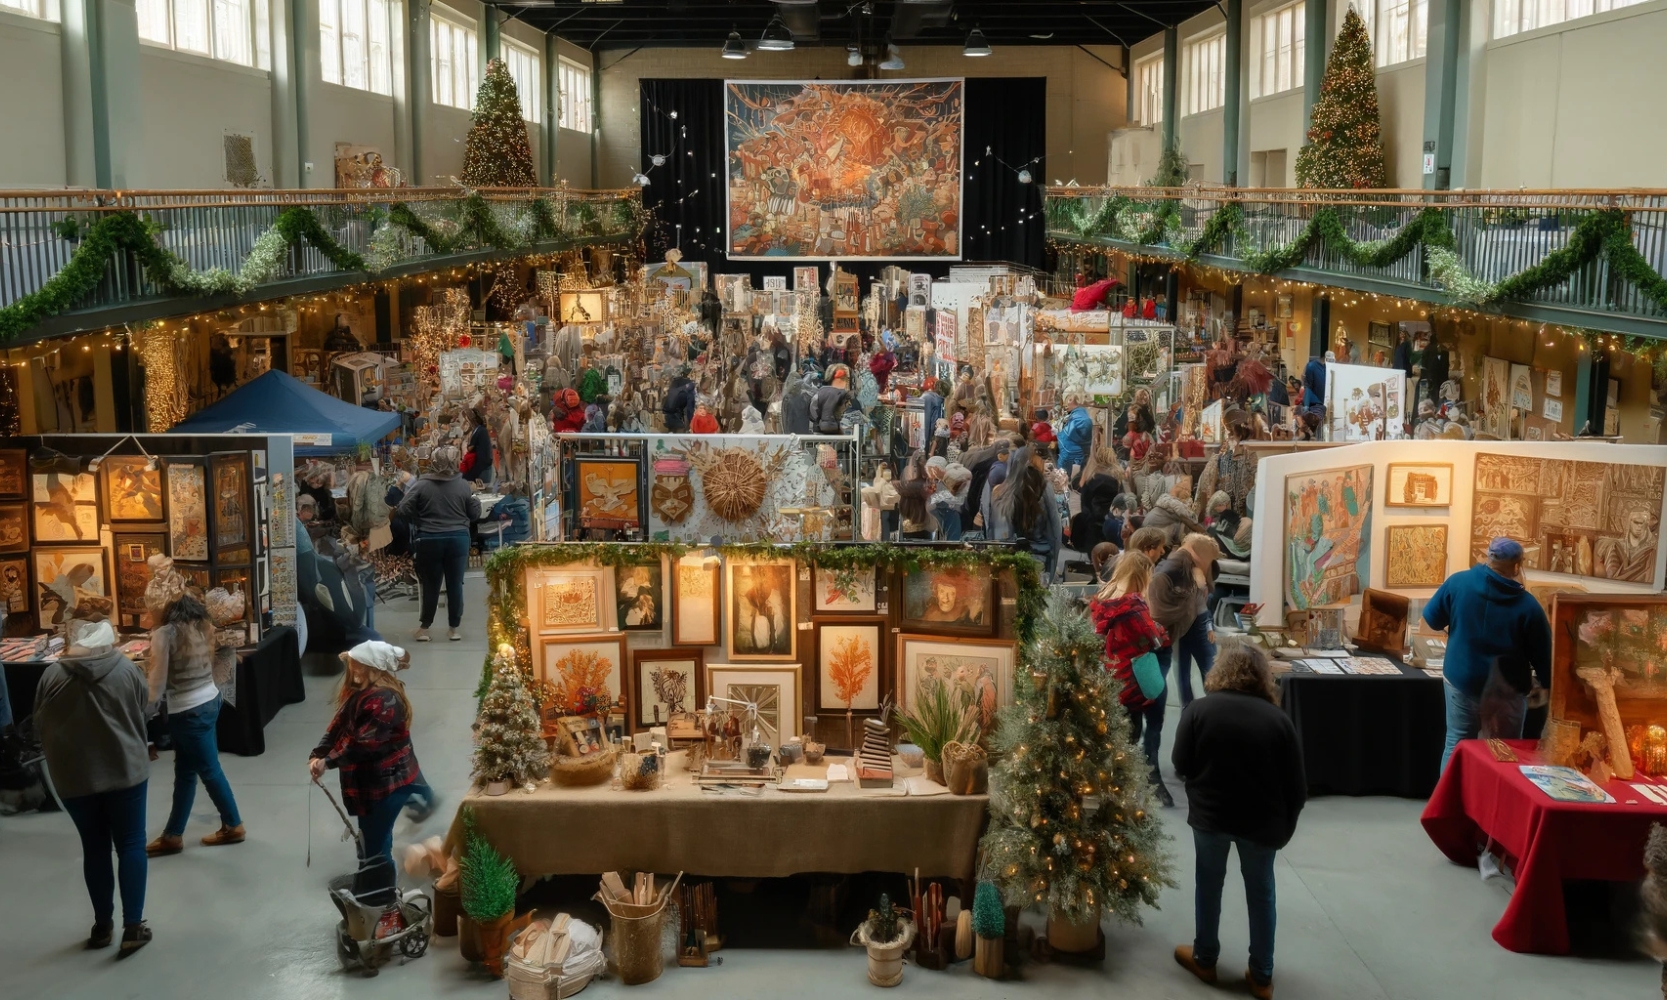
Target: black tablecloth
[[1368, 734]]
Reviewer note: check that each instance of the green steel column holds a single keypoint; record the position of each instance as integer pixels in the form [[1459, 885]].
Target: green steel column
[[100, 46], [494, 42], [595, 117], [307, 72], [286, 154], [1171, 85], [419, 86], [552, 108], [1441, 73], [1316, 43], [1230, 107]]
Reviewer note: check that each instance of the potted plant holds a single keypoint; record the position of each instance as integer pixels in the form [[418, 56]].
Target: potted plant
[[941, 714], [887, 934], [489, 882], [989, 925]]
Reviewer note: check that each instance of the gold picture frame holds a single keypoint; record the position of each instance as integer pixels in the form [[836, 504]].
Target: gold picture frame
[[570, 600], [761, 609]]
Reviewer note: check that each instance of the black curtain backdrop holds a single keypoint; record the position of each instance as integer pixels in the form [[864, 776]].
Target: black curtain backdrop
[[1005, 119]]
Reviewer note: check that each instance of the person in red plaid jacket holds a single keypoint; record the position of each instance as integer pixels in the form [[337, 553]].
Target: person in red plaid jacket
[[1121, 615], [369, 742]]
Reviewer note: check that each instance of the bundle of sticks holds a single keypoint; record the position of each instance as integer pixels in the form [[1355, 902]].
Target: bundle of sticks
[[699, 931], [643, 898], [928, 908]]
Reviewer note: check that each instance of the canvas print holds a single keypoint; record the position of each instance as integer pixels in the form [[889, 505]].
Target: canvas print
[[1595, 519], [132, 554], [14, 527], [585, 673], [14, 585], [775, 690], [132, 488], [64, 577], [952, 599], [1416, 555], [762, 609], [848, 667], [14, 473], [572, 600], [836, 169], [1493, 408], [698, 591], [187, 510], [1328, 530], [1418, 485], [640, 596], [1522, 387], [66, 507], [980, 668], [806, 279], [232, 516], [663, 682], [848, 589], [608, 496]]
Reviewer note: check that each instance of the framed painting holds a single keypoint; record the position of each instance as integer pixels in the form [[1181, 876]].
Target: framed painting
[[699, 596], [983, 668], [640, 596], [1416, 555], [850, 665], [66, 507], [847, 590], [132, 552], [761, 609], [774, 689], [1595, 519], [1328, 532], [14, 586], [14, 527], [806, 279], [584, 674], [1417, 485], [133, 490], [233, 517], [570, 599], [64, 577], [949, 599], [14, 473], [607, 493], [187, 509], [665, 682], [196, 576]]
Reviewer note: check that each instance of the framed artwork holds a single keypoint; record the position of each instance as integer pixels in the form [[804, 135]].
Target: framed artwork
[[133, 489], [14, 527], [665, 682], [1522, 387], [132, 553], [1416, 555], [585, 673], [233, 516], [982, 667], [14, 473], [187, 509], [197, 576], [761, 610], [14, 585], [608, 497], [1282, 307], [570, 599], [699, 596], [64, 577], [1328, 531], [66, 507], [774, 689], [806, 279], [1594, 519], [954, 599], [1418, 485], [640, 596], [844, 591], [850, 665], [1493, 407]]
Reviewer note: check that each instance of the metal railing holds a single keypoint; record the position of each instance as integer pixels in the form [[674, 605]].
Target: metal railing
[[1496, 233], [217, 229]]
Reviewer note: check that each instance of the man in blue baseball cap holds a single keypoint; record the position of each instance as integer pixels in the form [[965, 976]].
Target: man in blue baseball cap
[[1493, 625]]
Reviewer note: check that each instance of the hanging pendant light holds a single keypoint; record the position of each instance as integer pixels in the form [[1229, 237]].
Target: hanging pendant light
[[776, 37], [734, 48], [977, 44]]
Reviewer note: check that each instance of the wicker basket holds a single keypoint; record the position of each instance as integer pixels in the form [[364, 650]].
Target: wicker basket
[[579, 771], [528, 981], [633, 777]]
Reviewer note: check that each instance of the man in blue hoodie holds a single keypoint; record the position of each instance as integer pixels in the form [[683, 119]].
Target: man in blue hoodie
[[1076, 436], [1490, 617]]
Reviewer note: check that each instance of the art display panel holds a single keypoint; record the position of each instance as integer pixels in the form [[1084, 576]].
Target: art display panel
[[1328, 530], [838, 170], [1415, 555]]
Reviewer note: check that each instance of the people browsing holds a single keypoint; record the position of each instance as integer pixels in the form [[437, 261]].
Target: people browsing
[[440, 506], [1022, 508], [1179, 596], [476, 463], [1123, 619], [830, 401]]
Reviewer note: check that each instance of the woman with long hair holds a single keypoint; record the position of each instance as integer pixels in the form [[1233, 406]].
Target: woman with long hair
[[912, 495], [369, 742], [440, 507], [1022, 509], [1120, 615]]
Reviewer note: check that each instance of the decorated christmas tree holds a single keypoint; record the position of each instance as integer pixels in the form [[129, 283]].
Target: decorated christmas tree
[[1345, 139], [498, 153], [1071, 824], [510, 745]]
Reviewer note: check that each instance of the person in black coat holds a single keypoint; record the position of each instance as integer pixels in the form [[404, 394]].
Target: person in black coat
[[1237, 752], [679, 405]]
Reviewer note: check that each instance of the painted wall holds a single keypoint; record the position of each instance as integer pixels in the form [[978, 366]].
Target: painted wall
[[1401, 112], [345, 115], [31, 68], [189, 103]]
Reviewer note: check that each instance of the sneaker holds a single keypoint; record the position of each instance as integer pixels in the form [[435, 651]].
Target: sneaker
[[1261, 991], [1183, 958], [164, 845], [134, 937], [422, 634], [454, 635], [225, 835], [1167, 799], [101, 935]]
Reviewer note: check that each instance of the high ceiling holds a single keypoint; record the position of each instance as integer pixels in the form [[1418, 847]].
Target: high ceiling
[[613, 24]]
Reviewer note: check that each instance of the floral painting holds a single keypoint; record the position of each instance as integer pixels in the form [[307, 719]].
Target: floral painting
[[844, 589], [980, 669], [584, 673]]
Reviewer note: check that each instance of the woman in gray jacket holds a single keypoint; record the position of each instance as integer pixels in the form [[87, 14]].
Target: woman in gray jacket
[[440, 506]]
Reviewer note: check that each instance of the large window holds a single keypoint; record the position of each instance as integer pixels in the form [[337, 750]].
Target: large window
[[1397, 27], [1206, 80], [1148, 90], [574, 81], [523, 64], [46, 10], [1278, 38], [236, 31], [1512, 16], [353, 42], [453, 62]]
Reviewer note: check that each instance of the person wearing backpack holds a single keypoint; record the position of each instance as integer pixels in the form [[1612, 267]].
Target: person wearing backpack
[[1132, 638]]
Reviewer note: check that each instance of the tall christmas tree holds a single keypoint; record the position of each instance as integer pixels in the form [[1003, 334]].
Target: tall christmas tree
[[510, 745], [1071, 824], [1345, 139], [498, 153]]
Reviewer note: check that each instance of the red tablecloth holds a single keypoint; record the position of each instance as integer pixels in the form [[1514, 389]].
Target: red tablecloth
[[1546, 841]]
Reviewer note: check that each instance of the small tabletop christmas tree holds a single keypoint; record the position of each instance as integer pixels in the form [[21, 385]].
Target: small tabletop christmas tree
[[498, 153], [1071, 825], [510, 746], [1345, 139]]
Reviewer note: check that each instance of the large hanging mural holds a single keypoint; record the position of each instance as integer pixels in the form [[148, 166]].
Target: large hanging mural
[[1328, 528], [835, 170]]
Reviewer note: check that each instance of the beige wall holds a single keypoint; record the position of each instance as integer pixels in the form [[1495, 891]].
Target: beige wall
[[31, 69], [1401, 111]]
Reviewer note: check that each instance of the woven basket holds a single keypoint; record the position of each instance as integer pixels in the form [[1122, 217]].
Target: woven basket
[[631, 774], [579, 771], [538, 982]]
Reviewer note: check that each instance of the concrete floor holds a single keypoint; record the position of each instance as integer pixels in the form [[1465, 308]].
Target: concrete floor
[[1367, 907]]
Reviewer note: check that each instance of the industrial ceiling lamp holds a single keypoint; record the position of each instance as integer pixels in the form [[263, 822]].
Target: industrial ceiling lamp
[[853, 56], [776, 37], [734, 48], [977, 44], [894, 57]]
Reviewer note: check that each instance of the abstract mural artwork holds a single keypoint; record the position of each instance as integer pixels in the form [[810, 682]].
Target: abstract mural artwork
[[1328, 528]]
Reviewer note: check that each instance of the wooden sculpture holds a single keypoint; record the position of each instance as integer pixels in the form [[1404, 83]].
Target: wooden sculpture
[[1602, 681]]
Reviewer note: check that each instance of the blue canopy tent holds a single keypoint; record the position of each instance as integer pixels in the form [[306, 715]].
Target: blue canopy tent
[[279, 403]]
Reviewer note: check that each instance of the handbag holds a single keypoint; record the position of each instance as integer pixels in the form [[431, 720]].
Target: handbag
[[1148, 673]]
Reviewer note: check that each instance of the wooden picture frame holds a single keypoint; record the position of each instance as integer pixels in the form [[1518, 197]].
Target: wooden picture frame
[[14, 473], [570, 663], [133, 491], [782, 718], [608, 493], [954, 599], [570, 600], [833, 659], [59, 583], [1600, 630], [847, 591], [762, 600], [1418, 484], [16, 595], [231, 503], [639, 595], [130, 554], [698, 602], [186, 480], [646, 702], [986, 667], [1408, 555], [14, 527], [65, 507]]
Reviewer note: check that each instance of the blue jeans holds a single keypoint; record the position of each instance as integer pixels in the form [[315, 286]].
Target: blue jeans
[[376, 827], [112, 820], [442, 557], [1146, 728], [1465, 722], [1193, 647], [1256, 864], [197, 755], [949, 523]]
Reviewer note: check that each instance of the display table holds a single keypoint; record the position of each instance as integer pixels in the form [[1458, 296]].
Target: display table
[[1370, 734], [1545, 841], [679, 827]]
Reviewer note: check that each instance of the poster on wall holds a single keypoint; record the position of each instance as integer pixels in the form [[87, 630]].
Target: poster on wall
[[1328, 529], [1493, 410], [1367, 403], [839, 170]]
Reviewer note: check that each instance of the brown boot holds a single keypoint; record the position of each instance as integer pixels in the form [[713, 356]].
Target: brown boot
[[225, 835], [1261, 991], [164, 845], [1183, 958]]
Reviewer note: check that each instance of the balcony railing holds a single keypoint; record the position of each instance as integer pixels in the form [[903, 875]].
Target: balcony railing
[[1563, 252]]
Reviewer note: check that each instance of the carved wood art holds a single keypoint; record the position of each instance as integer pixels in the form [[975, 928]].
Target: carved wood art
[[672, 498], [1602, 681]]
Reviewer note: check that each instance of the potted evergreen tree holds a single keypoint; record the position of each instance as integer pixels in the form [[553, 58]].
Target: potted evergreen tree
[[510, 747], [887, 934], [989, 926], [489, 882]]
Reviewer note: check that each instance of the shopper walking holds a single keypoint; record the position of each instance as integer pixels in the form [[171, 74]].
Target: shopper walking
[[182, 672], [440, 506], [1237, 752], [1491, 619], [1120, 615], [90, 715], [1022, 508], [1179, 596], [369, 742], [476, 463]]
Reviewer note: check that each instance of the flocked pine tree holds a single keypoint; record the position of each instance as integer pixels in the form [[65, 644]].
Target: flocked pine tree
[[498, 153], [510, 745], [1345, 138], [1071, 826]]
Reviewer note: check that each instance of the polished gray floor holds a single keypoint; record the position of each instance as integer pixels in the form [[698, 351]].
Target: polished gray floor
[[1367, 907]]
